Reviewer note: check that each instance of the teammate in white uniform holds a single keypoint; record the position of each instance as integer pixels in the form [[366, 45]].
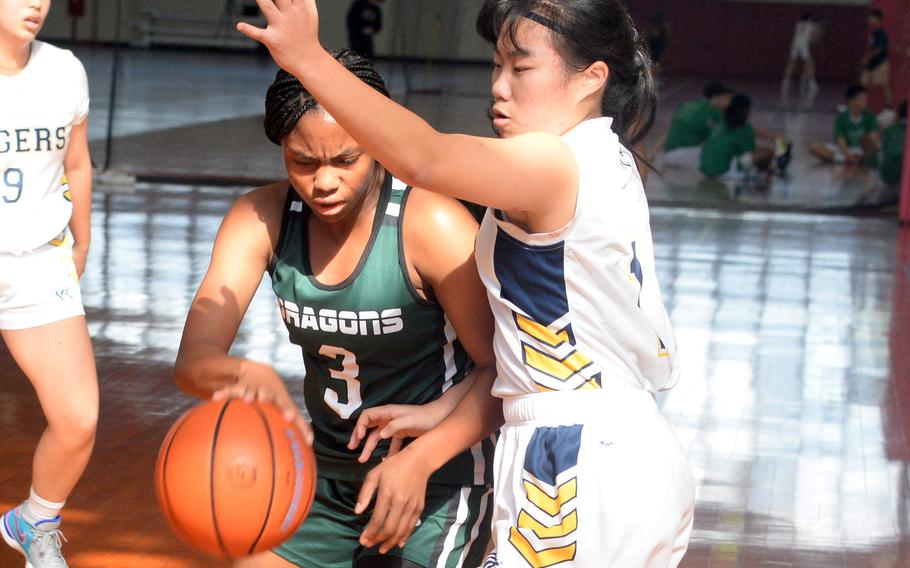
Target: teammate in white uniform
[[588, 473], [804, 36], [45, 203]]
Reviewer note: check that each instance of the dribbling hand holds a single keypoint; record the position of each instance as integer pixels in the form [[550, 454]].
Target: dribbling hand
[[260, 383]]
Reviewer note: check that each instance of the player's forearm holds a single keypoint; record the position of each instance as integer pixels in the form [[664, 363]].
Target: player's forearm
[[450, 399], [79, 177], [767, 134], [202, 369], [477, 415], [843, 146]]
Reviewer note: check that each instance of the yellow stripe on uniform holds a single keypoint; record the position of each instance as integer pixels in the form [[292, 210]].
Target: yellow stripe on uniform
[[551, 505], [543, 558], [562, 369], [567, 526], [542, 333]]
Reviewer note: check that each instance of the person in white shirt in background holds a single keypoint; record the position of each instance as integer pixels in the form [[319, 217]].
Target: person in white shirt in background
[[45, 231]]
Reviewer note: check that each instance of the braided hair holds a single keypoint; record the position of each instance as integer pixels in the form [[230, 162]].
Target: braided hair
[[288, 100]]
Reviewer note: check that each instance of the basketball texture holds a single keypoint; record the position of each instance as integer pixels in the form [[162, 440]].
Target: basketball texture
[[234, 478]]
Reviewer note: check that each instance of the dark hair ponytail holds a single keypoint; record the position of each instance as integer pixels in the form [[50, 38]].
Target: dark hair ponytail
[[586, 31], [287, 100], [737, 114]]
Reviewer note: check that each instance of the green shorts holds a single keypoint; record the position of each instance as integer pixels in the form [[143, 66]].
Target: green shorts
[[454, 528]]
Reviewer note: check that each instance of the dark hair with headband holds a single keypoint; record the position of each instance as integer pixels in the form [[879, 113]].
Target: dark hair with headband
[[586, 31], [287, 100]]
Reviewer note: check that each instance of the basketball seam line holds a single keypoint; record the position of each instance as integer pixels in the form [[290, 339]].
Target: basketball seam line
[[169, 509], [268, 511], [212, 478]]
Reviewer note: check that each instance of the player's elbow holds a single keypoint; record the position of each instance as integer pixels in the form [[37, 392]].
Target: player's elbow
[[185, 377]]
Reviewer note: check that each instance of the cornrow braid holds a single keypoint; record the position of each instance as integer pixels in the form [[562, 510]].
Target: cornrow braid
[[288, 100]]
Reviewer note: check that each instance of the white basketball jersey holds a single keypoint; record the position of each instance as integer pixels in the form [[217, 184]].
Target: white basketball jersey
[[38, 108], [581, 308]]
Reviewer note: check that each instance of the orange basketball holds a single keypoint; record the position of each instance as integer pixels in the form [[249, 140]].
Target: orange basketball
[[235, 478]]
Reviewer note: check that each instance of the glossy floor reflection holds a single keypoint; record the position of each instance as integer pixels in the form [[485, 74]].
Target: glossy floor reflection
[[196, 116], [794, 404]]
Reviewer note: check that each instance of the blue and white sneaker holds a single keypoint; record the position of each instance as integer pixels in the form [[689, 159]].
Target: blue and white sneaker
[[39, 543]]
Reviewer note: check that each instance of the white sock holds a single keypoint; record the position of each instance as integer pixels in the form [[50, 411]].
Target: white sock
[[37, 509]]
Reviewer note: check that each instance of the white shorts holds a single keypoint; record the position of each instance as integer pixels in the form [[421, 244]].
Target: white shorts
[[683, 157], [40, 286], [589, 478], [839, 157], [801, 51]]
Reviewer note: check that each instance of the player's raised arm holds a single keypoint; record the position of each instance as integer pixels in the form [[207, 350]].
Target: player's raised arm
[[533, 173]]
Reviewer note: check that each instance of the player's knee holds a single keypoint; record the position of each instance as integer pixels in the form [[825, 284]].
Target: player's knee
[[77, 427]]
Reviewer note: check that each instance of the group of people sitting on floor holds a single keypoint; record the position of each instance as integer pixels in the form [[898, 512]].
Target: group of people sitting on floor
[[714, 132], [860, 138]]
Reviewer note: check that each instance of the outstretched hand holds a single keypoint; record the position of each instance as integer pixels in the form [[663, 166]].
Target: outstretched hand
[[292, 33], [399, 485], [395, 421]]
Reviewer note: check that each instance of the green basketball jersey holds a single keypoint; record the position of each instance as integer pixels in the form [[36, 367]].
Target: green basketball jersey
[[724, 146], [368, 341], [692, 123], [893, 152], [853, 132]]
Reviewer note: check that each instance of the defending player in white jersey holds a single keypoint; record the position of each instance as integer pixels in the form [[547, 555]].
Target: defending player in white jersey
[[588, 473], [45, 205]]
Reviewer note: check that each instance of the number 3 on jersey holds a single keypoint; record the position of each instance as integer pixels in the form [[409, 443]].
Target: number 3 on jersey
[[347, 374]]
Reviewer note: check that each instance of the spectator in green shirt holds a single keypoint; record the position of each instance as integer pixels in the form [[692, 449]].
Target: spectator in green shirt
[[734, 141], [856, 133], [693, 123], [893, 141]]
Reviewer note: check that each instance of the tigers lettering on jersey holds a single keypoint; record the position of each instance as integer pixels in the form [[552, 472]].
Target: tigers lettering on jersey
[[363, 323], [545, 531], [32, 140], [533, 280]]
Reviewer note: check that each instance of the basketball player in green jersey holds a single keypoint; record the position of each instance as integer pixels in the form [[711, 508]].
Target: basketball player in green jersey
[[378, 285]]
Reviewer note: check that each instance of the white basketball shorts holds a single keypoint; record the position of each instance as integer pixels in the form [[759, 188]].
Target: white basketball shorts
[[589, 478], [40, 286]]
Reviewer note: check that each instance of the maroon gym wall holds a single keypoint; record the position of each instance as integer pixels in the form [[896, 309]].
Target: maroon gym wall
[[726, 39]]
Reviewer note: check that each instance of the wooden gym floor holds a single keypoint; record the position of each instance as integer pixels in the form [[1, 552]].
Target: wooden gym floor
[[794, 404]]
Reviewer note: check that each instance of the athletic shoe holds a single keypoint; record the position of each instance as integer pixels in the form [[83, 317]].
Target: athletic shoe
[[783, 153], [39, 543]]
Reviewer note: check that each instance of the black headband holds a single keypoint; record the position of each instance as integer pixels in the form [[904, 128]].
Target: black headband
[[544, 21]]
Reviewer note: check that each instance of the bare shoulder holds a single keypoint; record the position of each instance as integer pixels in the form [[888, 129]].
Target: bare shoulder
[[265, 203], [543, 147], [432, 213], [439, 235], [256, 216]]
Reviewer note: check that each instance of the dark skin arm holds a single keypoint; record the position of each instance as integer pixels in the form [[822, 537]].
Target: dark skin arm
[[241, 254], [439, 240]]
